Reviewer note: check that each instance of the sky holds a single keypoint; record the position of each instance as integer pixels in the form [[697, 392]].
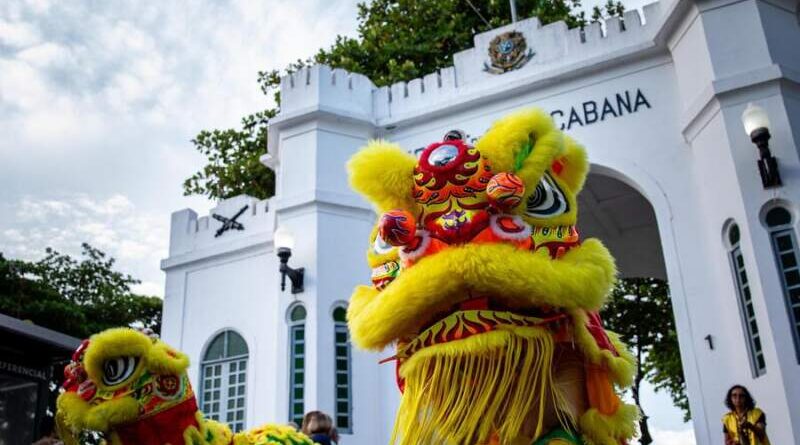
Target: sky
[[98, 104]]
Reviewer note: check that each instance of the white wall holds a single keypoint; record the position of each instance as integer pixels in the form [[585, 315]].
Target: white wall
[[747, 62], [220, 283]]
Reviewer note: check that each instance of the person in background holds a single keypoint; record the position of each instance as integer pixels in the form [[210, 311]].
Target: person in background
[[744, 424], [48, 429], [318, 426], [334, 435]]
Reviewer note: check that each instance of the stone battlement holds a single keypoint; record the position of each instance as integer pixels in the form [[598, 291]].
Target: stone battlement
[[189, 232], [334, 90], [555, 51]]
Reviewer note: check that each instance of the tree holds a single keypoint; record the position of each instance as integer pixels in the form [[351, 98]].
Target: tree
[[640, 311], [233, 161], [78, 298], [398, 40]]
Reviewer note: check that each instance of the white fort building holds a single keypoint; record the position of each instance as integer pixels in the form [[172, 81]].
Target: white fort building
[[674, 191]]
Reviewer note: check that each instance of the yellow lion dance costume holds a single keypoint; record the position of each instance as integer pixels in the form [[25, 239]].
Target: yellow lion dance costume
[[482, 283], [134, 388]]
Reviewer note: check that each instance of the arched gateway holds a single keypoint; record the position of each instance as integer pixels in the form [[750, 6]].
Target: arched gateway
[[656, 101]]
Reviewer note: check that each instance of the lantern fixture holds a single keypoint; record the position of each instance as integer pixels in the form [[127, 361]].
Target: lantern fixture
[[756, 125], [284, 243]]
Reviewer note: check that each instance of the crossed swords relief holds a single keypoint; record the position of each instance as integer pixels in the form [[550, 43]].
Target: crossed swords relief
[[229, 223]]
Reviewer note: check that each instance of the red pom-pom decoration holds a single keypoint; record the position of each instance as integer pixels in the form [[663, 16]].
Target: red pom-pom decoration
[[505, 191], [397, 227]]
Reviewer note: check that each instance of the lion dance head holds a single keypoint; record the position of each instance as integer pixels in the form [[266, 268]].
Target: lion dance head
[[482, 283], [133, 388]]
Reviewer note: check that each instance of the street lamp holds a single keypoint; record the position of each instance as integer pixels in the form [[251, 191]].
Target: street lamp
[[284, 243], [756, 125]]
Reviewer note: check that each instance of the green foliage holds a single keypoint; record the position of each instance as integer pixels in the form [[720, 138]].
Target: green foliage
[[398, 40], [610, 9], [666, 371], [640, 311], [233, 161], [78, 298]]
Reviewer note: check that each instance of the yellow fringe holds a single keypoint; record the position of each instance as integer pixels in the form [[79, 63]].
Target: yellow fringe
[[210, 432], [622, 368], [67, 435], [463, 391], [599, 429]]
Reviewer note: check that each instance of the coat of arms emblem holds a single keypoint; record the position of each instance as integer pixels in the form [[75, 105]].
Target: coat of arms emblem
[[507, 51]]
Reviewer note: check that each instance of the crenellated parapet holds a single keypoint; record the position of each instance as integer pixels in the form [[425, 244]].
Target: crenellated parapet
[[321, 88], [230, 221], [555, 52]]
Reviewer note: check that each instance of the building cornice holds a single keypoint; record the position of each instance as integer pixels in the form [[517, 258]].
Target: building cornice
[[242, 246], [321, 93], [706, 105]]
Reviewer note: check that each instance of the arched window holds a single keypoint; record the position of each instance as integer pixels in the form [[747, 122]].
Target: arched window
[[344, 402], [224, 379], [297, 363], [753, 338], [784, 245]]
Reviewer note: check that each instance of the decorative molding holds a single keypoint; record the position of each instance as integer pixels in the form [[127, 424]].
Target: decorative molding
[[229, 223], [190, 233], [507, 52]]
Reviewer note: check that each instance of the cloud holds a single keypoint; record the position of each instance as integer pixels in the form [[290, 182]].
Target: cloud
[[13, 235], [148, 288], [99, 102], [46, 55], [137, 240], [673, 437], [136, 59], [18, 35], [41, 210], [114, 205], [21, 85]]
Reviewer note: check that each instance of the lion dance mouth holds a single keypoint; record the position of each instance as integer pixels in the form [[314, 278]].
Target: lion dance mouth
[[484, 287]]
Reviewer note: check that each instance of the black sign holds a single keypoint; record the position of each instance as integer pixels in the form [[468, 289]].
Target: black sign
[[229, 223], [26, 371], [591, 111]]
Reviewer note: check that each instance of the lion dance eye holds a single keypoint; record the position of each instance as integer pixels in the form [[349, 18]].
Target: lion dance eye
[[547, 200], [117, 370]]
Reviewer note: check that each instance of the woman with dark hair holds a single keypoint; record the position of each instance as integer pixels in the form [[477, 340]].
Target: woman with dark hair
[[319, 426], [744, 424], [49, 437]]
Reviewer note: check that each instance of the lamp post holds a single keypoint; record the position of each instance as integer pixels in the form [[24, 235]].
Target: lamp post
[[756, 125], [284, 243], [513, 11]]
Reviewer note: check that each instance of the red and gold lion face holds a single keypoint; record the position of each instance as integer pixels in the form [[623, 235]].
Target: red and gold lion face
[[449, 187], [133, 388], [121, 375], [478, 270]]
